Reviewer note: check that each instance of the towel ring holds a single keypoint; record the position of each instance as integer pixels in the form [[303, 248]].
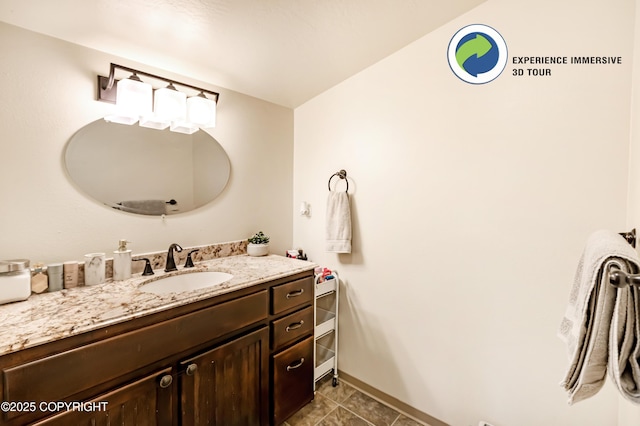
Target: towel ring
[[342, 174]]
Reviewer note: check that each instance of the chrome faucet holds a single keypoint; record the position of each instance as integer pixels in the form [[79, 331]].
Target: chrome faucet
[[171, 264]]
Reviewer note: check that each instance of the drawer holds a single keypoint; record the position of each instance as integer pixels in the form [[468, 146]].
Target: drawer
[[292, 379], [292, 327], [63, 375], [290, 295]]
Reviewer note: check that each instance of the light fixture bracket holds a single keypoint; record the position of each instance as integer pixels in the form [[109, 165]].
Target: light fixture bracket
[[107, 85], [104, 94]]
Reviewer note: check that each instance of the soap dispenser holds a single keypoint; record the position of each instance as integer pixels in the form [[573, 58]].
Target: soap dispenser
[[122, 262]]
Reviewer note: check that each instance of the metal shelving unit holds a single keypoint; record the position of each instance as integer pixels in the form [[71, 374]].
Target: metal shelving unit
[[326, 328]]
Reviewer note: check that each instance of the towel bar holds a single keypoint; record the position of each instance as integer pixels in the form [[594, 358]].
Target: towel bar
[[620, 279]]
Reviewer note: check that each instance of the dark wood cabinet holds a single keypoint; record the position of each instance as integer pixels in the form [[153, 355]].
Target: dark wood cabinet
[[228, 385], [292, 364], [147, 401], [211, 362], [292, 379]]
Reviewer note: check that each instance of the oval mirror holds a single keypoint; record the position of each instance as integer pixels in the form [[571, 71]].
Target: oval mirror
[[146, 171]]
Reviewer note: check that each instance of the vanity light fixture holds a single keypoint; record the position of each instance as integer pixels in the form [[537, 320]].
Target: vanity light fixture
[[201, 113], [171, 107], [133, 100]]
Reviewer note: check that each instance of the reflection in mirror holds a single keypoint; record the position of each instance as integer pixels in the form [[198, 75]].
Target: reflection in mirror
[[146, 171]]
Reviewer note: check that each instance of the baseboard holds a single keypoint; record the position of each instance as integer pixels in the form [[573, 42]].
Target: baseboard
[[390, 400]]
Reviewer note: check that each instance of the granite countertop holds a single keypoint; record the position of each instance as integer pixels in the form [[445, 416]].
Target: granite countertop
[[51, 316]]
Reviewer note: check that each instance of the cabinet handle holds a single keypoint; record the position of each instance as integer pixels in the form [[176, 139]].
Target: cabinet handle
[[294, 326], [295, 293], [298, 365], [165, 381], [191, 369]]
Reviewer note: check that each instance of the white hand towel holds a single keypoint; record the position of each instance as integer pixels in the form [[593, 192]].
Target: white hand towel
[[338, 232], [587, 325]]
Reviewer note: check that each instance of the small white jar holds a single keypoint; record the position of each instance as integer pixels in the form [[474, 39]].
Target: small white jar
[[15, 280]]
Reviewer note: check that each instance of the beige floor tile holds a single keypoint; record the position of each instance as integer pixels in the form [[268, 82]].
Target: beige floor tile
[[370, 409], [313, 412], [345, 405], [342, 417], [406, 421], [338, 394]]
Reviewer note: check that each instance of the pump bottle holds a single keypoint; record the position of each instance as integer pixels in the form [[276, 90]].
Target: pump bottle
[[122, 262]]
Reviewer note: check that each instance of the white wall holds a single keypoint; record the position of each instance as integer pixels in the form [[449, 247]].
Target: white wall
[[48, 92], [471, 206]]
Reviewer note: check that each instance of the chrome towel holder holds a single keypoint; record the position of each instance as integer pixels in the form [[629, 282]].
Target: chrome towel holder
[[619, 278], [342, 174]]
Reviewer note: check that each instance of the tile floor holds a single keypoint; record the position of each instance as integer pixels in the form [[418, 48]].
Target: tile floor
[[345, 405]]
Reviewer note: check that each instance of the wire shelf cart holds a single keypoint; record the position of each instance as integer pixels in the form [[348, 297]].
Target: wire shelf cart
[[326, 328]]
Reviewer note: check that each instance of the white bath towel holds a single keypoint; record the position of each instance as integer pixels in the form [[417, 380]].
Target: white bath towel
[[590, 327], [338, 226]]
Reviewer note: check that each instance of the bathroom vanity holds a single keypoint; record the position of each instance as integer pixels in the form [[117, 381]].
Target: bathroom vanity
[[239, 353]]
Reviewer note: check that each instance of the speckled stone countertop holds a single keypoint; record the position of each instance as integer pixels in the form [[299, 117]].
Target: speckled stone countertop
[[51, 316]]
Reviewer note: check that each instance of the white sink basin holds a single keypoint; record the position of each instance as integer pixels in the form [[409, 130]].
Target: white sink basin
[[186, 282]]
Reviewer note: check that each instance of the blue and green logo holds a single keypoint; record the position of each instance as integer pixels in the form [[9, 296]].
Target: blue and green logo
[[477, 54]]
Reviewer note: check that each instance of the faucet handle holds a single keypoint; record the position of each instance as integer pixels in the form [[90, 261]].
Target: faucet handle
[[189, 262], [147, 266]]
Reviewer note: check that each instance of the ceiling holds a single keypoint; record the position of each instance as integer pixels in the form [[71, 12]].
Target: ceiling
[[282, 51]]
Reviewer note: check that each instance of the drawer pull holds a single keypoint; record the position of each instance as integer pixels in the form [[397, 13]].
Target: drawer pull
[[165, 381], [294, 326], [191, 369], [295, 293], [297, 365]]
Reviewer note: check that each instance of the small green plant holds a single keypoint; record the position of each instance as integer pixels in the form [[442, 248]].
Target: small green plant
[[259, 238]]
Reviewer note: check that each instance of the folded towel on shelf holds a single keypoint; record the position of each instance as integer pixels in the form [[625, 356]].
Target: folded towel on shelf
[[596, 319], [150, 207], [338, 223]]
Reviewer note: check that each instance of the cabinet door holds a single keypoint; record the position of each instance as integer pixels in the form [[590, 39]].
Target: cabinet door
[[292, 379], [144, 402], [228, 385]]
